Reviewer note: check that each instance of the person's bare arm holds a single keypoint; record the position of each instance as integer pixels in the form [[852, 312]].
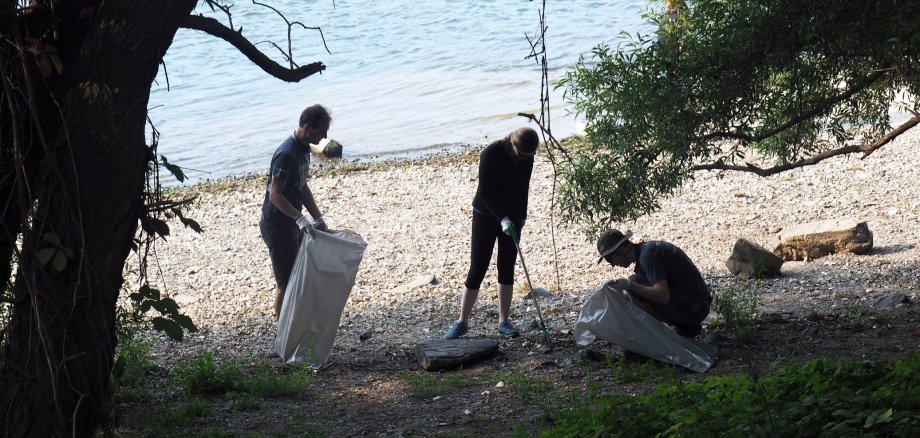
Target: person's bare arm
[[658, 293], [277, 197], [310, 203]]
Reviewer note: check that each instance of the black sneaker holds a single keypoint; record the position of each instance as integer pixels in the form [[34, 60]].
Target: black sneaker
[[688, 330]]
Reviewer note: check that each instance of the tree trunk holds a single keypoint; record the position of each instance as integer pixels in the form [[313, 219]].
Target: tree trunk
[[57, 362]]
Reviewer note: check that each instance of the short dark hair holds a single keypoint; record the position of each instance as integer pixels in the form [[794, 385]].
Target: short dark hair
[[525, 139], [314, 115]]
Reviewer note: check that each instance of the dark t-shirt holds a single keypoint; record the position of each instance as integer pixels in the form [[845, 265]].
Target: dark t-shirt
[[504, 183], [291, 161], [658, 260]]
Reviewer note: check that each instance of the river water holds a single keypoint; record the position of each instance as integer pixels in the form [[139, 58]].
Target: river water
[[402, 77]]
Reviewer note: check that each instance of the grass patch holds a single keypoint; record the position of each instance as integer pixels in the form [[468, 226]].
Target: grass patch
[[819, 398], [187, 412], [526, 388], [205, 375], [651, 371], [861, 310], [428, 385]]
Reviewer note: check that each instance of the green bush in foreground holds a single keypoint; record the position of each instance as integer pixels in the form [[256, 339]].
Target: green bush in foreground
[[819, 398]]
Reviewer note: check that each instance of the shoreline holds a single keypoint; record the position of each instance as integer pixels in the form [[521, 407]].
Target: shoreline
[[414, 214]]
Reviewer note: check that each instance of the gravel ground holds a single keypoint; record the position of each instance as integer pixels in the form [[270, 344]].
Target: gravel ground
[[415, 217]]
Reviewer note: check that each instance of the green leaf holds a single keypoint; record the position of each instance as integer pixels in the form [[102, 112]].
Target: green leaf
[[44, 255], [44, 65], [56, 61], [171, 328], [149, 292], [190, 223], [173, 169], [52, 238], [878, 418], [157, 226], [59, 263], [185, 322], [166, 306]]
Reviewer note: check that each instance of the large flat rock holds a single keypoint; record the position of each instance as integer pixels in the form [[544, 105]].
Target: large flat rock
[[448, 354], [818, 239]]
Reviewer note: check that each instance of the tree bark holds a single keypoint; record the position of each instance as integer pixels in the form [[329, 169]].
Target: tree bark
[[55, 371]]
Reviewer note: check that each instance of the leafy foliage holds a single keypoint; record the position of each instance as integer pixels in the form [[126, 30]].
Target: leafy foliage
[[171, 321], [819, 398], [747, 82], [205, 375], [737, 307]]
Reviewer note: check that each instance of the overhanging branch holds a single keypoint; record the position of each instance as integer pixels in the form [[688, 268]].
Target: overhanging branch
[[808, 115], [865, 149], [215, 28]]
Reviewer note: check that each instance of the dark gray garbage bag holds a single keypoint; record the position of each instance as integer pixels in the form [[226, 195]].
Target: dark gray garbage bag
[[609, 315]]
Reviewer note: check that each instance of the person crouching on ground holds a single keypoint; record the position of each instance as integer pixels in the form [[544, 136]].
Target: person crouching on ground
[[505, 167], [666, 283], [282, 224]]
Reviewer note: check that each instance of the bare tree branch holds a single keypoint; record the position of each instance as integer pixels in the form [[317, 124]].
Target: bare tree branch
[[865, 149], [290, 25], [216, 29]]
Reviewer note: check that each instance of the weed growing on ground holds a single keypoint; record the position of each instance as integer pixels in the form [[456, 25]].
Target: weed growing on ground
[[427, 385], [133, 361], [526, 388], [861, 310], [649, 371], [205, 375], [187, 412], [737, 307]]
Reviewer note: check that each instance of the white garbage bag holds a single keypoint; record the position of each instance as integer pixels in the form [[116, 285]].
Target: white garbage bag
[[320, 283], [609, 315]]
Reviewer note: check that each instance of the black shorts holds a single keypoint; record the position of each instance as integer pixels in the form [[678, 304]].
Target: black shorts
[[283, 240], [486, 230]]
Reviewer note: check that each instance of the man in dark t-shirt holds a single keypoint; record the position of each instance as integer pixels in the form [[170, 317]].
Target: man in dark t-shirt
[[666, 283], [286, 193]]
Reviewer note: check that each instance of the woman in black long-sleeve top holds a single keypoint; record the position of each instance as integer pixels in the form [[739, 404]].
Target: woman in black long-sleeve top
[[505, 167]]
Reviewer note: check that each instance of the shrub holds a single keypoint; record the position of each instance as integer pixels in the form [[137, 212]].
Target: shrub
[[819, 398], [737, 307]]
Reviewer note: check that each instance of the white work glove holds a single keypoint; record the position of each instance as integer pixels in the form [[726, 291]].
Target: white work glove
[[621, 284], [320, 224], [304, 224], [507, 226]]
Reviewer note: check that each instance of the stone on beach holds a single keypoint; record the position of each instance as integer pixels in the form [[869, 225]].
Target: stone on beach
[[441, 354], [818, 239], [750, 260], [327, 147]]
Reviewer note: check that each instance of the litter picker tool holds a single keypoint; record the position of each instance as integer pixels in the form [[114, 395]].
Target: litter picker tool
[[533, 295]]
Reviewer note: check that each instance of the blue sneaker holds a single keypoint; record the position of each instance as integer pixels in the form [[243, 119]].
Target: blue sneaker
[[507, 329], [456, 330]]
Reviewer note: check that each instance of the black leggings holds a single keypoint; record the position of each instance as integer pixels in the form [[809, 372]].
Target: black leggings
[[485, 231]]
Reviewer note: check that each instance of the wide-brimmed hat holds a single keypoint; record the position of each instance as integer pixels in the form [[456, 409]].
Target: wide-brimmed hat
[[609, 241]]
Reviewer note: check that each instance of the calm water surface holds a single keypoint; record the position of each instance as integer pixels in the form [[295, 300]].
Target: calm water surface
[[402, 76]]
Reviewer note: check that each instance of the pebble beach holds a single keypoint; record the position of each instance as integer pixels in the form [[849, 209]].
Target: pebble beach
[[415, 216]]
